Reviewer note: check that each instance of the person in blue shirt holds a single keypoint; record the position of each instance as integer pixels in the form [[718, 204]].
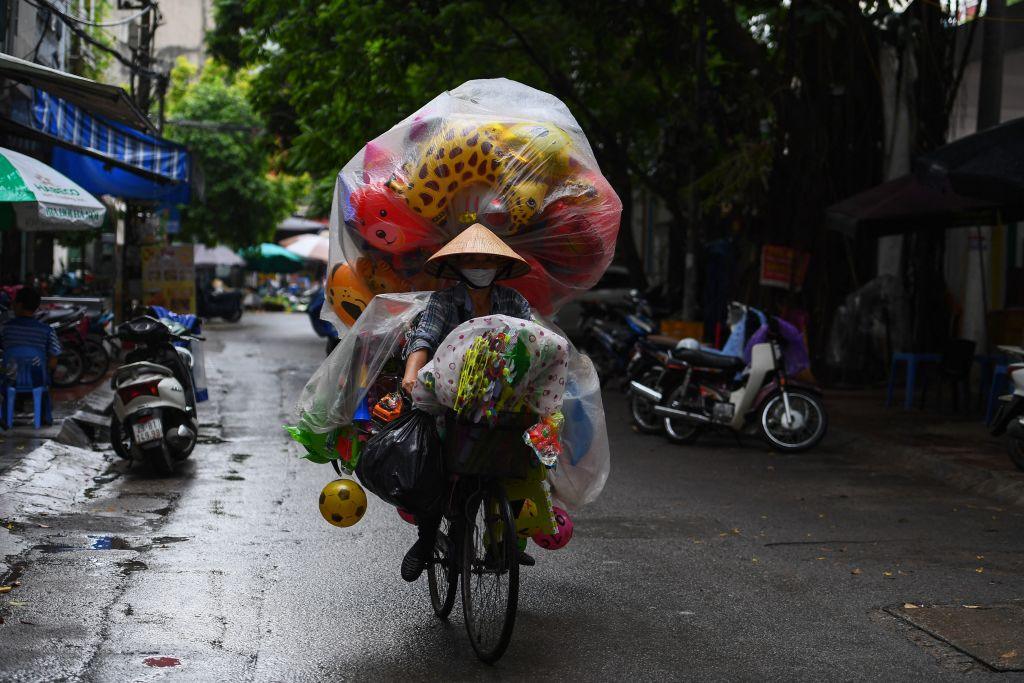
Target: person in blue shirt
[[24, 330]]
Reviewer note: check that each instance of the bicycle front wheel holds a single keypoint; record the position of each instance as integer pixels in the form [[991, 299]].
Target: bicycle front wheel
[[490, 573], [443, 571]]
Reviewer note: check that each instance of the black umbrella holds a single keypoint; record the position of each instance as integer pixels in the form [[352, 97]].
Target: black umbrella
[[988, 165]]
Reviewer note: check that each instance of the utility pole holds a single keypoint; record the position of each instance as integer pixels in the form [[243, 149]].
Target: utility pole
[[693, 226], [990, 88], [143, 50]]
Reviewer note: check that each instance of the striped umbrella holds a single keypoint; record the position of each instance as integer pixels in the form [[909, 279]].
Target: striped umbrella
[[314, 247], [44, 199]]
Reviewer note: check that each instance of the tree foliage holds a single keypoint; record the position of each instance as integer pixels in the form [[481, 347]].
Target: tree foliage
[[773, 108], [243, 201]]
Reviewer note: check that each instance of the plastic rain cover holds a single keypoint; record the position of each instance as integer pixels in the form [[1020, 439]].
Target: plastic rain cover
[[495, 152], [336, 389]]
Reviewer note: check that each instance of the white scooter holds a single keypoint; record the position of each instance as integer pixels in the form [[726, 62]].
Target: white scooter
[[154, 396], [1010, 418]]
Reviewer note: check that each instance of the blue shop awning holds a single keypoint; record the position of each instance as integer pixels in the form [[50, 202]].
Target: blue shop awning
[[132, 149]]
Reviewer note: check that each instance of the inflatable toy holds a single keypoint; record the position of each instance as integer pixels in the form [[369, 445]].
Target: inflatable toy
[[346, 293], [528, 519], [379, 276], [343, 502], [562, 535], [386, 223], [490, 151]]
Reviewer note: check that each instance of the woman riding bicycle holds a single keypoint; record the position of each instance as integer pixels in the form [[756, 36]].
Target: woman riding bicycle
[[477, 258]]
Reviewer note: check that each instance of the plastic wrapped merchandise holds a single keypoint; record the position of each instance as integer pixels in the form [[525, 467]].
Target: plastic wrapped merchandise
[[494, 152], [496, 364], [332, 394], [585, 460]]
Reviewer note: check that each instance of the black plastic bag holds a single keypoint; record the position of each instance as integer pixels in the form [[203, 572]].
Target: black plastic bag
[[402, 464]]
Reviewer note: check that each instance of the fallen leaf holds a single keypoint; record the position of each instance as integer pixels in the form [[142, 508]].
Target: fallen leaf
[[971, 606], [979, 557], [43, 526], [1008, 655], [888, 575], [17, 603], [821, 515], [6, 589], [980, 570], [910, 605], [754, 560], [855, 571], [819, 558]]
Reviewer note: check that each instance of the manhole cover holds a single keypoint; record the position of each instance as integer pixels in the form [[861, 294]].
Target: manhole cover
[[992, 634]]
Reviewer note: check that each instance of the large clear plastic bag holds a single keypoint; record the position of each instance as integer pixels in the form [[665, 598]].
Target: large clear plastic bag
[[535, 369], [334, 392], [585, 461], [494, 152]]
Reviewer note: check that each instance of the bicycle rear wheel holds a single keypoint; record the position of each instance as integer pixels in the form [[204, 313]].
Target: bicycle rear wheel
[[490, 573], [443, 572]]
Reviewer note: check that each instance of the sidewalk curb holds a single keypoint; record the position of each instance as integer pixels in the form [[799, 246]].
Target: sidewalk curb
[[977, 480], [55, 476]]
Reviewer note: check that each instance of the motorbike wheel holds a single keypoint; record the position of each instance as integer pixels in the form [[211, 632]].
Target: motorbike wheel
[[117, 439], [1015, 449], [682, 431], [97, 362], [812, 422], [159, 459], [642, 410], [70, 366], [234, 316]]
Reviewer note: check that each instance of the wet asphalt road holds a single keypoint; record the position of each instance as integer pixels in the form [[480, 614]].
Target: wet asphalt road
[[717, 561]]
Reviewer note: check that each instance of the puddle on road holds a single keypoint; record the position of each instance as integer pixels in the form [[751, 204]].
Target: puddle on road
[[164, 540], [240, 457], [110, 543], [132, 566], [233, 477]]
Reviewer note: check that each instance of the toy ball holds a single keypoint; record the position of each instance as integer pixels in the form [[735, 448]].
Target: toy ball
[[343, 502], [562, 535], [346, 293], [526, 520], [406, 515]]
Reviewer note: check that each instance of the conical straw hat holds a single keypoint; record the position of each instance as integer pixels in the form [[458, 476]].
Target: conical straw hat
[[477, 239]]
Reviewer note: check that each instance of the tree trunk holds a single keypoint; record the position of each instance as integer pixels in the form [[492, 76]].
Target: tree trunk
[[625, 245]]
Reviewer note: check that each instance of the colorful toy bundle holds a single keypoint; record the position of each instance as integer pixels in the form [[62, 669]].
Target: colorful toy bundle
[[494, 152], [495, 364]]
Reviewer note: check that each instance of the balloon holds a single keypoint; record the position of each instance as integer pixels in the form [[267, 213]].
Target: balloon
[[346, 293]]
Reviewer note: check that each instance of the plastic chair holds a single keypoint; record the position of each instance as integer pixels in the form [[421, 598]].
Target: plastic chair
[[31, 378], [912, 361], [954, 369]]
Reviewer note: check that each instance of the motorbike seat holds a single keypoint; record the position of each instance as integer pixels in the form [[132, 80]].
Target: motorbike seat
[[708, 360], [662, 341]]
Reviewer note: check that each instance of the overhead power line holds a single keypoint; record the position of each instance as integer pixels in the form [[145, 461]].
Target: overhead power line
[[107, 24]]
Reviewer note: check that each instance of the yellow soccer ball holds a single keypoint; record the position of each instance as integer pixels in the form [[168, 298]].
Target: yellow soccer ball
[[343, 502]]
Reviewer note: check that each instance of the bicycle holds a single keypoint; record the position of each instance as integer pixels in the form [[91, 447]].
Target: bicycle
[[477, 543]]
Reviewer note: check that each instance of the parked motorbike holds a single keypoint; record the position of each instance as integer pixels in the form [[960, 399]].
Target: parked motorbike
[[154, 395], [1009, 419], [223, 304], [703, 391], [608, 333], [82, 359]]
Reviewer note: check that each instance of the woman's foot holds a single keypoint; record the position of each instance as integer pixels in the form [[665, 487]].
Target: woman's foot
[[413, 563]]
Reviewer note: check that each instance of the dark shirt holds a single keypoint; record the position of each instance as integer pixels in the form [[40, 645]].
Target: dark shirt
[[448, 308]]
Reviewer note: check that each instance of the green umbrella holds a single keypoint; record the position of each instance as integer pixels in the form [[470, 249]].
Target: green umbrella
[[40, 198], [271, 258]]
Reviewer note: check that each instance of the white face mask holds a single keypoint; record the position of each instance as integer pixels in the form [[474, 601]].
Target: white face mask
[[479, 277]]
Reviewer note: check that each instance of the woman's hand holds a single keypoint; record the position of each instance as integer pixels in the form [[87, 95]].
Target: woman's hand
[[415, 361]]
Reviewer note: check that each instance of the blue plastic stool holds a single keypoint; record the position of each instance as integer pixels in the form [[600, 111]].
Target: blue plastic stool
[[1000, 377], [31, 378], [912, 360]]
